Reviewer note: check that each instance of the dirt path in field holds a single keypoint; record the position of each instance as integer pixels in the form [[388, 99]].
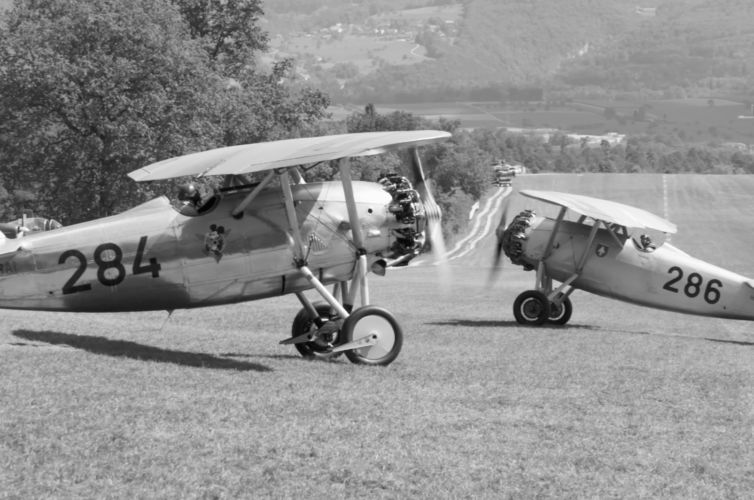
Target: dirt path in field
[[483, 223]]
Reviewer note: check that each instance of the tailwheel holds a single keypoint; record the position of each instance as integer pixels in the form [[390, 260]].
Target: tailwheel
[[378, 330], [531, 308], [560, 314], [321, 344]]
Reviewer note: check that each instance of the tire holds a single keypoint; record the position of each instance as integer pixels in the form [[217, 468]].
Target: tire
[[303, 323], [531, 308], [560, 315], [372, 320]]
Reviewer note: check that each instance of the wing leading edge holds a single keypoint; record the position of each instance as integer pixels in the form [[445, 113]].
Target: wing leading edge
[[258, 157], [605, 210]]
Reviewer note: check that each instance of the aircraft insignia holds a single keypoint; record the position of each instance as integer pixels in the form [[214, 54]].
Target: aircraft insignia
[[317, 244], [601, 250], [214, 241]]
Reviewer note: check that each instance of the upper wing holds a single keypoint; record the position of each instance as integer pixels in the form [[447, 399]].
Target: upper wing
[[249, 158], [605, 210]]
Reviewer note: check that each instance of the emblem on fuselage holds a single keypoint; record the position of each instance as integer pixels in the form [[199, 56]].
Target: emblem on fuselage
[[601, 250], [317, 245], [214, 241]]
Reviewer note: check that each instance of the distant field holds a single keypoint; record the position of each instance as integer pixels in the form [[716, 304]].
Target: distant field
[[365, 52], [362, 47], [695, 119], [624, 402]]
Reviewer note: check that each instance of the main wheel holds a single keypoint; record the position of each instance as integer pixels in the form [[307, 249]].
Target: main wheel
[[303, 323], [371, 320], [531, 308], [562, 313]]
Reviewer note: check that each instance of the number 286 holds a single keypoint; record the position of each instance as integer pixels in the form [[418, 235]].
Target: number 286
[[694, 285]]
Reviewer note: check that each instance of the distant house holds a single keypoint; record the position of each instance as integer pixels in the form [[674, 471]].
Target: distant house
[[593, 141], [646, 11]]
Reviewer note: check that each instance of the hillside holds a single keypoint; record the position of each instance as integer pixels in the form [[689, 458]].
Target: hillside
[[484, 48], [433, 50]]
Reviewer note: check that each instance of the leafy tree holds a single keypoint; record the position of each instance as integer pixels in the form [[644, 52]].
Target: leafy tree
[[228, 30], [372, 121], [90, 90]]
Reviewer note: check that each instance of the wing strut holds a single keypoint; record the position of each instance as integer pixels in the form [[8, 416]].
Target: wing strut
[[360, 278], [298, 246], [545, 282], [585, 255], [290, 211], [554, 232], [250, 197]]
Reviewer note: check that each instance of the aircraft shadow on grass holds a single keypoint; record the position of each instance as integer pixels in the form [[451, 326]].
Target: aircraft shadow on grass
[[500, 324], [489, 323], [133, 350], [734, 342]]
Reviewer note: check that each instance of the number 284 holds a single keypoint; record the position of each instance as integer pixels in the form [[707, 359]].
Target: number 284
[[693, 286], [110, 268]]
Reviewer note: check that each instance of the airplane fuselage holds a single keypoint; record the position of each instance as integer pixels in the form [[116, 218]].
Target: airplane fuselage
[[663, 277], [156, 256]]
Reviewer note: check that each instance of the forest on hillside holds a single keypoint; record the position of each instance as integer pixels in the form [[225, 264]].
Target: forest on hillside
[[571, 48]]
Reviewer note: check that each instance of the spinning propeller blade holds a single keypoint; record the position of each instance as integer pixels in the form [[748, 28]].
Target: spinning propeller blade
[[434, 220]]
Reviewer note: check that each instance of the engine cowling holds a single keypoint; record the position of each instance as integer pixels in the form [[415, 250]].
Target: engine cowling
[[516, 236]]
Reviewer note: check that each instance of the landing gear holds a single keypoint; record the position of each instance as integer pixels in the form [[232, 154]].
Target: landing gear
[[323, 333], [560, 314], [369, 336], [531, 308], [378, 330]]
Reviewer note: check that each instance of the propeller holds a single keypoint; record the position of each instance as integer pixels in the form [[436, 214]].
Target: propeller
[[434, 220]]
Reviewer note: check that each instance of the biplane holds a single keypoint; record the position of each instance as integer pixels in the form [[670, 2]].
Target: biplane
[[613, 250], [246, 241]]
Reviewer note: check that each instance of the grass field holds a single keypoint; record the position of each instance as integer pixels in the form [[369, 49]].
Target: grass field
[[623, 402]]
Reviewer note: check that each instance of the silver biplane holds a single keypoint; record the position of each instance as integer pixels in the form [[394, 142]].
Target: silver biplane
[[245, 242], [613, 250]]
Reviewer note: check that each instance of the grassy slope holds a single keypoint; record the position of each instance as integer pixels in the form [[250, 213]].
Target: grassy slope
[[623, 402]]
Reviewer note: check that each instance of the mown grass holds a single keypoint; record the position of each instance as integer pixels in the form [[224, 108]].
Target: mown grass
[[623, 402]]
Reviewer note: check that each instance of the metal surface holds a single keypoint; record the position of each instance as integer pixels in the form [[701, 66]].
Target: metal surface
[[158, 257], [249, 158], [587, 257], [605, 210]]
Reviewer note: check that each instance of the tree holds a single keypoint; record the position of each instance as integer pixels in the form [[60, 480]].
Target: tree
[[228, 30], [372, 121], [90, 90]]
